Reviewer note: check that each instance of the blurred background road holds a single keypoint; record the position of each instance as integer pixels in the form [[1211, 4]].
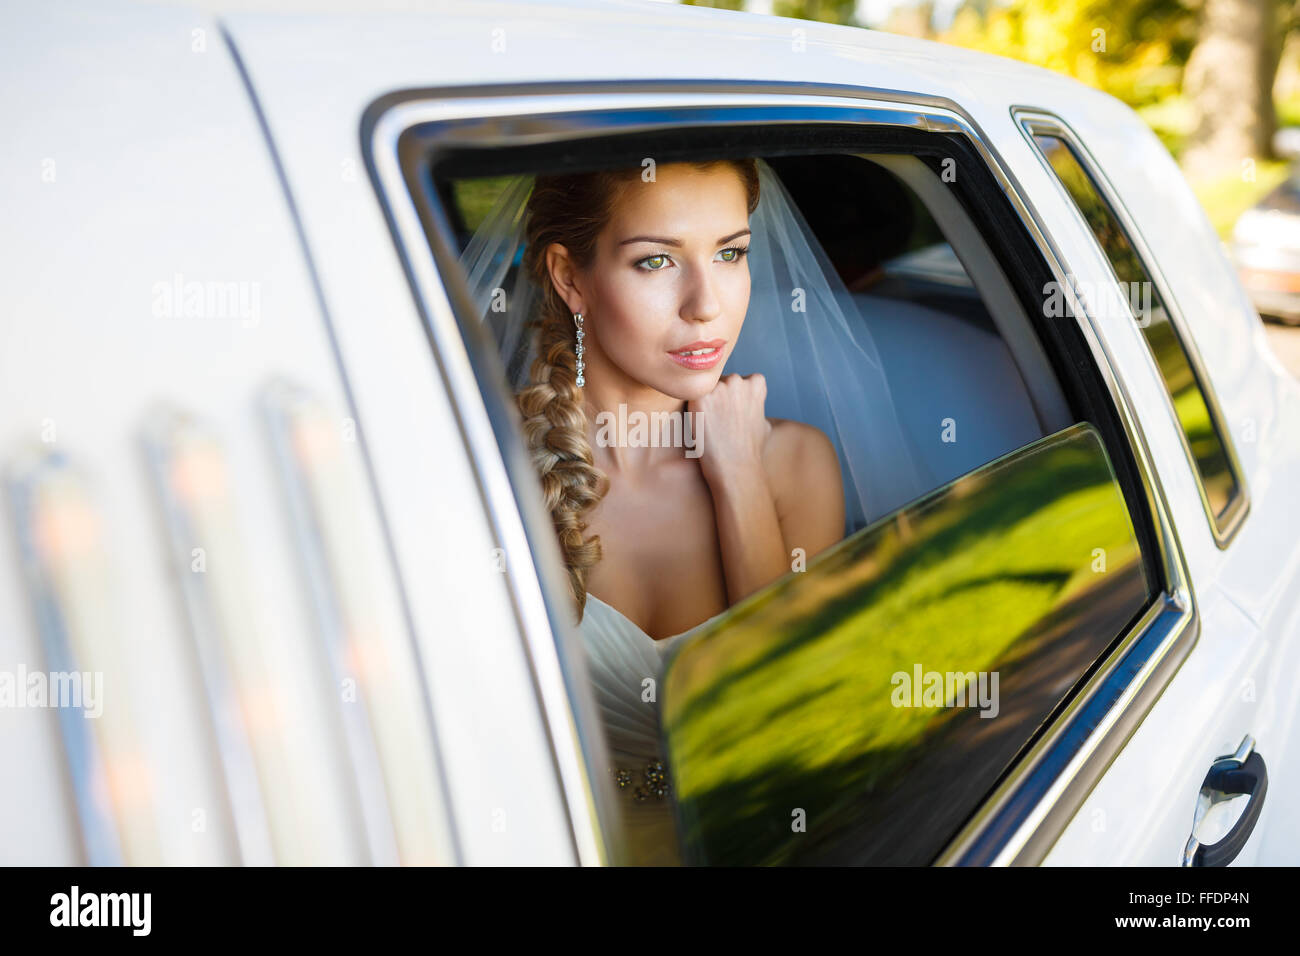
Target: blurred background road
[[1217, 80]]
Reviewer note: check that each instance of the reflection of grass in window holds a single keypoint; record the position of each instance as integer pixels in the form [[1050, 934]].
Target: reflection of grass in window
[[1195, 419], [1207, 449], [814, 726], [1168, 353], [1193, 413]]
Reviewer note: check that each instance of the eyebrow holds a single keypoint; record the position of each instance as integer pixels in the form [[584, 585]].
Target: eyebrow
[[676, 242]]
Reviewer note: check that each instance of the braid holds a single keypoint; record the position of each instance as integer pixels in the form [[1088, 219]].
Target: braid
[[555, 427]]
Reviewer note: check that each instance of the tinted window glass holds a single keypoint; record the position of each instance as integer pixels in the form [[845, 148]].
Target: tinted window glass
[[860, 711], [1206, 444]]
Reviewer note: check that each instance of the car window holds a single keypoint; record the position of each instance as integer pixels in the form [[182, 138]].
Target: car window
[[1035, 553], [858, 712], [783, 743], [1205, 441]]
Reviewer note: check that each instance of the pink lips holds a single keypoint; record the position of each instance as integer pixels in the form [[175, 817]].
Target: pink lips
[[708, 354]]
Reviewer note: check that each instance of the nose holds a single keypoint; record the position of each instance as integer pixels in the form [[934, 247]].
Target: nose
[[702, 303]]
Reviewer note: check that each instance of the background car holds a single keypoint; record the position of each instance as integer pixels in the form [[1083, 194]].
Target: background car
[[1266, 248]]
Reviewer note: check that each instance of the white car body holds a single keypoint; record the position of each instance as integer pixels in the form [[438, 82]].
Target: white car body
[[145, 144]]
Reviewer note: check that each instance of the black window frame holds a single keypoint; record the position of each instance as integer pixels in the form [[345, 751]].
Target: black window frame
[[403, 135]]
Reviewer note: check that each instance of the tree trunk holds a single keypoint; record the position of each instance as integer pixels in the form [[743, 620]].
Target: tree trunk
[[1229, 79]]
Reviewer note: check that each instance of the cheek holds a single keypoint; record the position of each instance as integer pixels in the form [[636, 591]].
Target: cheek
[[630, 313], [735, 299], [743, 287], [635, 315]]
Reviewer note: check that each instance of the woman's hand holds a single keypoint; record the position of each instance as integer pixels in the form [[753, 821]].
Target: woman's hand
[[731, 427], [732, 431], [774, 489]]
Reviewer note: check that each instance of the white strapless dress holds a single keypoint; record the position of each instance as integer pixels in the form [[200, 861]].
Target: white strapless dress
[[621, 658]]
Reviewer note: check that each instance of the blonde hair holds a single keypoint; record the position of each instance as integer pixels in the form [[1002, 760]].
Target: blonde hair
[[571, 209]]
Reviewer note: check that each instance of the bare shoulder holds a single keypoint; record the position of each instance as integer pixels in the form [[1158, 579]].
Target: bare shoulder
[[803, 472], [797, 454], [791, 436]]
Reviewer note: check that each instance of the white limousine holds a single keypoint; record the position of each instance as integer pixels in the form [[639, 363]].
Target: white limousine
[[278, 582]]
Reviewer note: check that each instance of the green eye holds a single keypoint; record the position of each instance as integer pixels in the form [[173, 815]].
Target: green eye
[[729, 255], [655, 259]]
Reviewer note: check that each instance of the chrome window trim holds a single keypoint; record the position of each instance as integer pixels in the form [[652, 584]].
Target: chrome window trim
[[1042, 791], [1034, 122]]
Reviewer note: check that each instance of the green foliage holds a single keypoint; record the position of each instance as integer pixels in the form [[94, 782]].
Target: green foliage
[[823, 11], [1132, 49], [717, 4]]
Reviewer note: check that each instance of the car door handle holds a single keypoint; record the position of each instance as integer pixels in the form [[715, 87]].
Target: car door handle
[[1241, 773]]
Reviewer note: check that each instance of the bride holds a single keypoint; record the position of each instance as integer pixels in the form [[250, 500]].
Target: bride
[[642, 287], [654, 275]]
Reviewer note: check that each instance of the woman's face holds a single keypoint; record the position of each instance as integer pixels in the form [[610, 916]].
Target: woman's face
[[669, 287]]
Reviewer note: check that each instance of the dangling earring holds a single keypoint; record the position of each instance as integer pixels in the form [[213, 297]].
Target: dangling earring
[[577, 321]]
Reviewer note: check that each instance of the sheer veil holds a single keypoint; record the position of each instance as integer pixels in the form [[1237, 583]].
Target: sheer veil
[[803, 332]]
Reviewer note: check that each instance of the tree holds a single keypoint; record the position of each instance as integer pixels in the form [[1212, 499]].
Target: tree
[[1229, 80], [1132, 49]]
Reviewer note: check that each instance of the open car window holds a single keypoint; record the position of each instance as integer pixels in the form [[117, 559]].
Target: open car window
[[860, 710], [1040, 552]]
